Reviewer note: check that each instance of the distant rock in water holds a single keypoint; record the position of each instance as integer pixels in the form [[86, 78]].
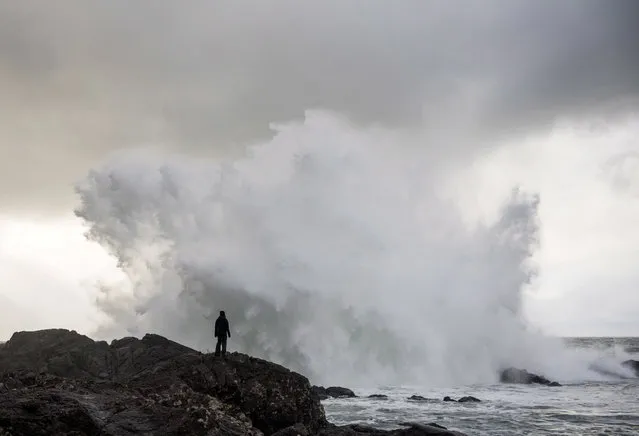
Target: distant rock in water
[[334, 392], [60, 382], [515, 375], [466, 399], [469, 399], [378, 397], [418, 398], [632, 364]]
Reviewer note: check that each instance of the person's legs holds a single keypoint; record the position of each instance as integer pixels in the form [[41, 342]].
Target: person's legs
[[217, 346], [224, 346]]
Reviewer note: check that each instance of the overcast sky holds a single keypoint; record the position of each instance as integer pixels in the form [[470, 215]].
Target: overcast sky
[[80, 79]]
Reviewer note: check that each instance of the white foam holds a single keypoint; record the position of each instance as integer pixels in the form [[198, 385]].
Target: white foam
[[331, 252]]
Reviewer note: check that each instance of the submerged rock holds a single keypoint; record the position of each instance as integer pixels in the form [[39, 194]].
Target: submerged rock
[[515, 375], [60, 382], [632, 364], [378, 396], [410, 429]]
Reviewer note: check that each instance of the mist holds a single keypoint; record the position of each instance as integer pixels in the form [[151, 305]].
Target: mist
[[331, 251]]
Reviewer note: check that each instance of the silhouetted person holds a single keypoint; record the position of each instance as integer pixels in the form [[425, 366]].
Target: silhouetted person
[[221, 332]]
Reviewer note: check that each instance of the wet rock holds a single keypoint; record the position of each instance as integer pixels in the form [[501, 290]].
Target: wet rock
[[469, 399], [429, 429], [447, 398], [333, 392], [340, 392], [417, 398], [378, 396], [410, 429], [633, 365], [515, 375]]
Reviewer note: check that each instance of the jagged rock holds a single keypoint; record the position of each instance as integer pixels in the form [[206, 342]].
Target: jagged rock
[[333, 391], [378, 397], [157, 382], [632, 364], [447, 398], [515, 375], [56, 382]]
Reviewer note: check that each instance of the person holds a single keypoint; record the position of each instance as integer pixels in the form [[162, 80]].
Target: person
[[221, 331]]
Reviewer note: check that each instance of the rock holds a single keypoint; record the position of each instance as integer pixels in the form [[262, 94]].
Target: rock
[[340, 392], [428, 429], [632, 364], [152, 385], [333, 391], [320, 392], [411, 429], [469, 399], [57, 382], [417, 398], [447, 398], [515, 375], [294, 430], [378, 396]]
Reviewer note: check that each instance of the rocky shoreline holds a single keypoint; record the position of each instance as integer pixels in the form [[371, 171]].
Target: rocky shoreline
[[58, 382]]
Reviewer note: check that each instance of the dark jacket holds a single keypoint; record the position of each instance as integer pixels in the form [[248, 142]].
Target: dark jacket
[[222, 327]]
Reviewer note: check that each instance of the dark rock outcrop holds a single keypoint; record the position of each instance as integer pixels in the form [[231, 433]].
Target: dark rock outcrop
[[333, 392], [633, 365], [466, 399], [469, 399], [521, 376], [340, 392], [320, 392], [378, 397], [148, 385], [57, 382]]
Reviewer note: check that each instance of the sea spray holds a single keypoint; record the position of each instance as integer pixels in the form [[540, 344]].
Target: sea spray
[[331, 251]]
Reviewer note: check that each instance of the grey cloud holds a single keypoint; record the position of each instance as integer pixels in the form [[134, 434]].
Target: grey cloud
[[80, 79]]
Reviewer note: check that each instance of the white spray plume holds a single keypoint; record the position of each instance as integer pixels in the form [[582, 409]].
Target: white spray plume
[[330, 251]]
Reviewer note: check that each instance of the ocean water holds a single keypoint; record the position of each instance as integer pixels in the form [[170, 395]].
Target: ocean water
[[608, 406]]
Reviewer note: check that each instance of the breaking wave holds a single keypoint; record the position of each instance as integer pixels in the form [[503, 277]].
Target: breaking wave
[[332, 252]]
